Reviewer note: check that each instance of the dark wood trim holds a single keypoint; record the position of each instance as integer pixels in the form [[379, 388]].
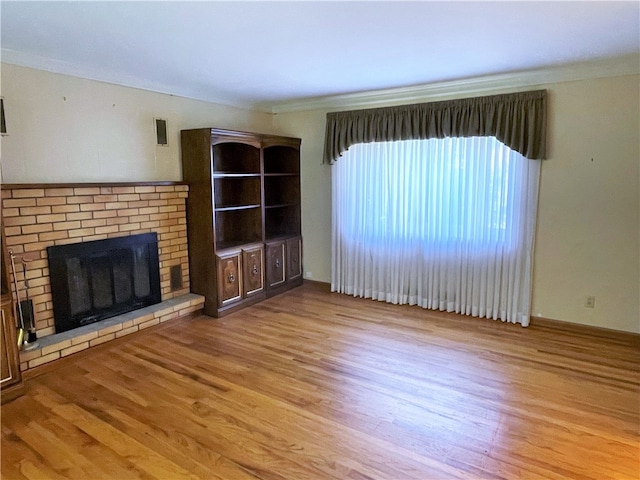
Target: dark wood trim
[[579, 328], [239, 305], [14, 186], [12, 392], [12, 386], [284, 287]]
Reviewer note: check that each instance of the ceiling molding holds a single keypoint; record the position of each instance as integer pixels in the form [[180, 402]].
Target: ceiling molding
[[511, 82], [503, 83]]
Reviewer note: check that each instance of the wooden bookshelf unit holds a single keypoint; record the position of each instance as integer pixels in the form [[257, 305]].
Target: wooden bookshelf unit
[[243, 216]]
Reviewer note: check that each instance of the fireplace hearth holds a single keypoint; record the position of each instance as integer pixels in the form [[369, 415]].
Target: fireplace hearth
[[95, 280]]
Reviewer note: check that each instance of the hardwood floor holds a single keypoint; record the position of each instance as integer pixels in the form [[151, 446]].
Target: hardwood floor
[[313, 385]]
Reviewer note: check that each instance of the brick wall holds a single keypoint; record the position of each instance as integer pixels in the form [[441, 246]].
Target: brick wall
[[37, 216]]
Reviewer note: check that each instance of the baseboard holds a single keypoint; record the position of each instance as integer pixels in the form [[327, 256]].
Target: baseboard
[[627, 337], [319, 285], [620, 335]]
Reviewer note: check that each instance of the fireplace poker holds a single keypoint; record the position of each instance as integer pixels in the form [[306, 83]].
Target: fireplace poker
[[30, 319], [21, 328]]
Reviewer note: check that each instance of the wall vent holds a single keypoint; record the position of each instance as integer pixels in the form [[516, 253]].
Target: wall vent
[[3, 124], [176, 277], [161, 132]]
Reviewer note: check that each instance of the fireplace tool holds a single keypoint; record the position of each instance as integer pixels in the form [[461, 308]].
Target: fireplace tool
[[25, 309], [21, 328], [27, 306]]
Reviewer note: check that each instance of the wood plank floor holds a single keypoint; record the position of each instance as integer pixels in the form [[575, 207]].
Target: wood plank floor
[[313, 385]]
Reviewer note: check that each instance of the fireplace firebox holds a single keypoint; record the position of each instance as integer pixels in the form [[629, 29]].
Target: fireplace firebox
[[96, 280]]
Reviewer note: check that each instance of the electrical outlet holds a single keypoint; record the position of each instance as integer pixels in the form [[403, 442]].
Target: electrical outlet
[[308, 274], [590, 301]]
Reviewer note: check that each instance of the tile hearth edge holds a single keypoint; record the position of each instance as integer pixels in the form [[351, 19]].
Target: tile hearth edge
[[59, 345]]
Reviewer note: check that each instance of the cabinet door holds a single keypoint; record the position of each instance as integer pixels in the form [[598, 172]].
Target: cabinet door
[[8, 347], [229, 279], [275, 264], [294, 258], [253, 273]]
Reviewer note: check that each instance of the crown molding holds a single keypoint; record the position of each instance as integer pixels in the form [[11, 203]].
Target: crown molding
[[504, 83]]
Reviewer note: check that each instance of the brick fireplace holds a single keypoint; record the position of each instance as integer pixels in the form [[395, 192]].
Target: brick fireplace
[[38, 216]]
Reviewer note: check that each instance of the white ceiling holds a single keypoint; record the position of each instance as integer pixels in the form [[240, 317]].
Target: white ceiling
[[257, 54]]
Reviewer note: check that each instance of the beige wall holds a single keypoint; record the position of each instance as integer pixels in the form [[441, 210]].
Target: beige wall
[[589, 211], [67, 129], [588, 235]]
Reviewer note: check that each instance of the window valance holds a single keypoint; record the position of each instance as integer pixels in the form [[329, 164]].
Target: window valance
[[518, 120]]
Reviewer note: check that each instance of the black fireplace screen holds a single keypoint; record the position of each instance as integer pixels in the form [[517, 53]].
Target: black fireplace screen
[[93, 281]]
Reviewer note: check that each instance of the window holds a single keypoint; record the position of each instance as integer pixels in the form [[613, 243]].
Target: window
[[442, 223]]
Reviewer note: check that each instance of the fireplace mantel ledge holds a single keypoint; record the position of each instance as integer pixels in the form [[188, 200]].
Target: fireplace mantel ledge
[[31, 186], [58, 345]]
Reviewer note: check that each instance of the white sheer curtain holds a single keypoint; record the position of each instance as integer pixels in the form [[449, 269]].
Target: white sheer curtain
[[446, 224]]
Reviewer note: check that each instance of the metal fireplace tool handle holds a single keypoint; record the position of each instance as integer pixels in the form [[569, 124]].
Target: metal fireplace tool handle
[[21, 328]]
